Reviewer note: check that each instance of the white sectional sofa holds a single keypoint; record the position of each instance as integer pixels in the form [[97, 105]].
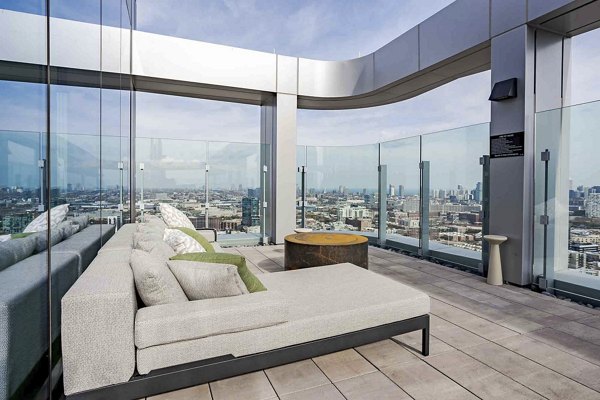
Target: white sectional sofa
[[114, 348]]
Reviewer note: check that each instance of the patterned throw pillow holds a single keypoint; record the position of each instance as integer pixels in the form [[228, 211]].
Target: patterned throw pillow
[[174, 218], [57, 215], [182, 243]]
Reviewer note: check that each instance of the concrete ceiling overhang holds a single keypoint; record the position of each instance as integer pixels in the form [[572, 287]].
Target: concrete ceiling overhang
[[451, 44]]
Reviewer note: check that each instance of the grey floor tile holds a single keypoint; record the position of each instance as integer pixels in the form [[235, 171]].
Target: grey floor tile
[[254, 386], [454, 335], [557, 360], [422, 381], [568, 343], [295, 377], [386, 353], [201, 392], [412, 342], [536, 377], [326, 392], [371, 386], [478, 378], [344, 365]]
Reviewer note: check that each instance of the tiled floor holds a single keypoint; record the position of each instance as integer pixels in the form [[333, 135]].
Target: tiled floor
[[487, 342]]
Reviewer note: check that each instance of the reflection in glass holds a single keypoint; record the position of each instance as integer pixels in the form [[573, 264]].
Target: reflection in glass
[[342, 188], [402, 158], [456, 188]]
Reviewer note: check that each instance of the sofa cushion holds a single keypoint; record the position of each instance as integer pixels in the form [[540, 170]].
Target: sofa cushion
[[196, 319], [253, 284], [57, 215], [15, 250], [80, 221], [153, 279], [56, 236], [201, 281], [198, 237], [174, 218], [157, 246], [182, 243]]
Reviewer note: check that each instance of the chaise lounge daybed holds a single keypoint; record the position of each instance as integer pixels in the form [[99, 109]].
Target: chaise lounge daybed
[[113, 348]]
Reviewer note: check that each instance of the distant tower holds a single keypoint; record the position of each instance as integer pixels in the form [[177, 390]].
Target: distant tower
[[250, 211], [401, 191], [391, 191]]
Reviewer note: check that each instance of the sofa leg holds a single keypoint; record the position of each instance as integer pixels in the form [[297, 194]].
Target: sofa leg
[[425, 339]]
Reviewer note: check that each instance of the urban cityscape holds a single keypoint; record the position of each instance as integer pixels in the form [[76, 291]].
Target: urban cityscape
[[584, 230]]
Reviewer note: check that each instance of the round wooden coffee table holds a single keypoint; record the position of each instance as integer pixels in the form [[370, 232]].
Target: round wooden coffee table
[[315, 249]]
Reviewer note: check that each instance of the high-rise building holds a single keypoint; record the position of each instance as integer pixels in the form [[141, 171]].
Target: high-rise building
[[478, 195], [391, 190], [250, 211], [400, 190], [592, 205]]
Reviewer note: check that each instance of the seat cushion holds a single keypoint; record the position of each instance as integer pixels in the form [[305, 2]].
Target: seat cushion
[[323, 302], [14, 250], [171, 323]]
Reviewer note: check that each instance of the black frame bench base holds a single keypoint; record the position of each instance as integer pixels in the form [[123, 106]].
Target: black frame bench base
[[201, 372]]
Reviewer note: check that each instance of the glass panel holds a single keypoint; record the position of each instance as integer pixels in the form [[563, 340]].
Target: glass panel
[[455, 208], [173, 171], [23, 280], [339, 180], [570, 259], [402, 158], [235, 188]]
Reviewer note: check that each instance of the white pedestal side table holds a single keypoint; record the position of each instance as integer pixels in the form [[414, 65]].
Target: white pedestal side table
[[494, 276]]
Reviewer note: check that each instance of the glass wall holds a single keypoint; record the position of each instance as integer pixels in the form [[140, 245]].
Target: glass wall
[[341, 186], [567, 191], [402, 158], [456, 188], [180, 145], [342, 191]]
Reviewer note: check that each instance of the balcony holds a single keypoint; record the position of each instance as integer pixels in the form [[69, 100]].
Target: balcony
[[487, 342]]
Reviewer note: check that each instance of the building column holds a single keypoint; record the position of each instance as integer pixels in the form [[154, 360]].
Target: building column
[[537, 59], [278, 151]]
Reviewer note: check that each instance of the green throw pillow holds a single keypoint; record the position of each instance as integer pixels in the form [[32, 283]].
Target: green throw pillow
[[21, 235], [199, 238], [250, 280]]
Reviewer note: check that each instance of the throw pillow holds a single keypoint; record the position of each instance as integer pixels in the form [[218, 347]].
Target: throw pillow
[[181, 243], [57, 215], [253, 284], [202, 281], [154, 280], [198, 237], [160, 249], [174, 218], [13, 251]]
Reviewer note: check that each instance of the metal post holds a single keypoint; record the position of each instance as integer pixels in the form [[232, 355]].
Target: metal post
[[485, 205], [303, 203], [142, 191], [121, 208], [382, 188], [264, 238], [545, 220], [206, 169], [424, 209], [42, 205]]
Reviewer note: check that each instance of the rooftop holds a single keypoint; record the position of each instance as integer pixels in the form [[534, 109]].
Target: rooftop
[[487, 342]]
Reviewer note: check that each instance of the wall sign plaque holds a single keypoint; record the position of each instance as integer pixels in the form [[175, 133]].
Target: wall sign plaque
[[507, 145]]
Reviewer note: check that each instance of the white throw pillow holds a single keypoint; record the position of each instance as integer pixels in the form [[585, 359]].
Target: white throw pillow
[[202, 281], [154, 281], [174, 218], [57, 215], [182, 243]]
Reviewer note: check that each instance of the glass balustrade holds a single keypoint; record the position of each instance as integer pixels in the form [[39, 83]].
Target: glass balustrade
[[567, 202]]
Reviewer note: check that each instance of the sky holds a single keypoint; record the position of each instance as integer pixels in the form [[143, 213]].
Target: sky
[[325, 29]]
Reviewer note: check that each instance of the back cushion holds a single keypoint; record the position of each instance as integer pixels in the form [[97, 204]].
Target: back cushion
[[154, 280], [14, 250]]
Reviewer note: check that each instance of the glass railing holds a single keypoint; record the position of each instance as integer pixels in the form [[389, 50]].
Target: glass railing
[[567, 202], [430, 186], [217, 184]]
